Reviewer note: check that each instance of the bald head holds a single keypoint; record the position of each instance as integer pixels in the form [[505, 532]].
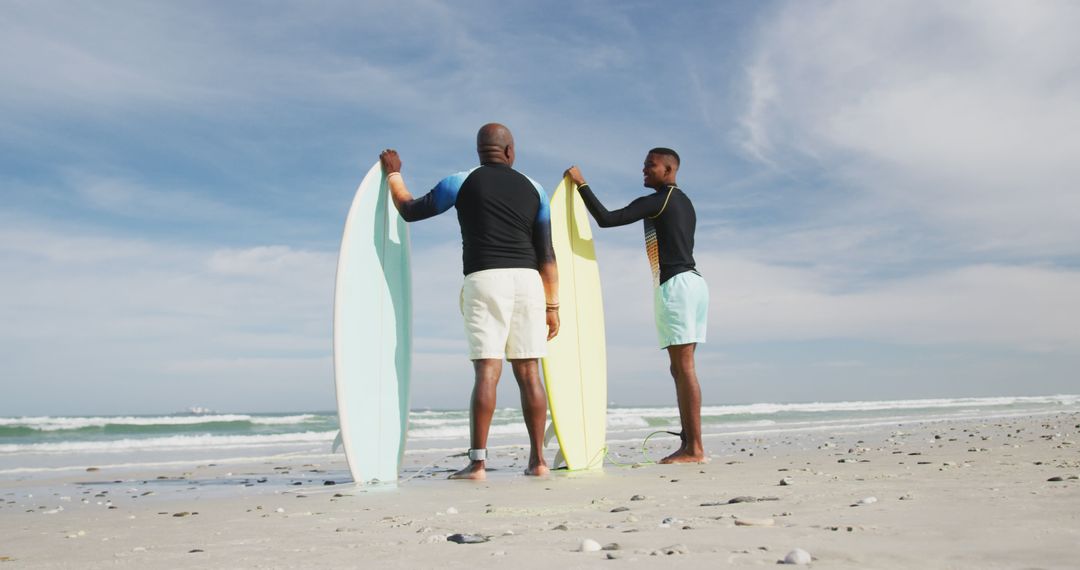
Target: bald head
[[494, 143]]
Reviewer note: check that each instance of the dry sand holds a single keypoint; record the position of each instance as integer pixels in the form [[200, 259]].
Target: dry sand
[[958, 494]]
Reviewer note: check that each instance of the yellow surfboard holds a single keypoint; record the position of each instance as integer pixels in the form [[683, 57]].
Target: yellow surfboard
[[575, 370]]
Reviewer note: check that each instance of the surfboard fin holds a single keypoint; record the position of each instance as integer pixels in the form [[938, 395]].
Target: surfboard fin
[[559, 459], [549, 433], [334, 447]]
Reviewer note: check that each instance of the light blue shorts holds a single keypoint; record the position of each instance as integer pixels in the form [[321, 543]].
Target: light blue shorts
[[681, 305]]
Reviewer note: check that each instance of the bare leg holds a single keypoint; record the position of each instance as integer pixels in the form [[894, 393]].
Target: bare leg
[[689, 395], [534, 408], [481, 410]]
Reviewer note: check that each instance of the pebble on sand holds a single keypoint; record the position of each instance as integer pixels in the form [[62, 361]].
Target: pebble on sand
[[467, 538], [865, 501], [589, 545], [673, 549], [798, 556], [747, 500], [754, 522]]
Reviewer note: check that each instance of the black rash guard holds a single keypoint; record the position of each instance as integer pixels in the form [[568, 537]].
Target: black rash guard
[[504, 216], [669, 227]]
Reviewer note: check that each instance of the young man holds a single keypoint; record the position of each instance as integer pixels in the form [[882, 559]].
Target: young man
[[680, 295], [510, 298]]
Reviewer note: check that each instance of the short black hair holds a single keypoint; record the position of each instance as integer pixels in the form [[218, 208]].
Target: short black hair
[[668, 152]]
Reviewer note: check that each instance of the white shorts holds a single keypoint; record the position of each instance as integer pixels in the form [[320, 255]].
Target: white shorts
[[504, 312]]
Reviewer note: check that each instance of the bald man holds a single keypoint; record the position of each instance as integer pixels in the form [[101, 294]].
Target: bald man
[[510, 297], [680, 294]]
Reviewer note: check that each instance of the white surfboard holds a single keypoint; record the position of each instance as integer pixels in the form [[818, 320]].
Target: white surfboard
[[373, 333]]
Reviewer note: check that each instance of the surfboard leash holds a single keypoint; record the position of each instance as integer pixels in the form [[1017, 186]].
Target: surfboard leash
[[645, 442], [610, 456]]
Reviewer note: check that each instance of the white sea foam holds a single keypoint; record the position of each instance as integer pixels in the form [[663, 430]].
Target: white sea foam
[[462, 431], [618, 420], [48, 423], [171, 442], [436, 422], [282, 420], [856, 406]]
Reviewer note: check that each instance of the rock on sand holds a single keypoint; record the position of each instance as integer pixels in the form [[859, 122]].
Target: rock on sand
[[589, 545], [754, 522], [798, 556]]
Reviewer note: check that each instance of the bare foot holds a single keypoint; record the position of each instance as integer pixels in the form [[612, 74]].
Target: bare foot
[[538, 470], [684, 456], [474, 472]]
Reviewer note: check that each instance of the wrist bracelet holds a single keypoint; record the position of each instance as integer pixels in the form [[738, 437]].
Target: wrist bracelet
[[391, 175]]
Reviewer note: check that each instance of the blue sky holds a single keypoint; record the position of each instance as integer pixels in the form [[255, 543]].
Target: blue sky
[[886, 191]]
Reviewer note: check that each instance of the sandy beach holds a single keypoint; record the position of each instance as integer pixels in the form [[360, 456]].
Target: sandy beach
[[998, 493]]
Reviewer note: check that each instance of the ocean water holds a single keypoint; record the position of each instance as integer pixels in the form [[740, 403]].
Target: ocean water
[[35, 446]]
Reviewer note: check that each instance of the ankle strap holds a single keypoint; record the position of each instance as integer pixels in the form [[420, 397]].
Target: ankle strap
[[478, 454]]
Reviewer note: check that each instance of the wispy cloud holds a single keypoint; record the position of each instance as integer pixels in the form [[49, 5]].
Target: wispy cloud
[[961, 114], [133, 200]]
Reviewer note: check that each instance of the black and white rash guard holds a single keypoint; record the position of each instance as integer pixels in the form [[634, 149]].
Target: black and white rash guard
[[504, 216], [670, 222]]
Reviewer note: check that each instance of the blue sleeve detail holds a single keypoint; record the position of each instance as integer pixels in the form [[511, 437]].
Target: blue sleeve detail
[[544, 213], [440, 199], [545, 253]]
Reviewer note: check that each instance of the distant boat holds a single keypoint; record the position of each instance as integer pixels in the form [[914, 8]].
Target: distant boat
[[199, 411]]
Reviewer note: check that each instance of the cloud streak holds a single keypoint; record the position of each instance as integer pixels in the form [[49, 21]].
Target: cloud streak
[[960, 114]]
